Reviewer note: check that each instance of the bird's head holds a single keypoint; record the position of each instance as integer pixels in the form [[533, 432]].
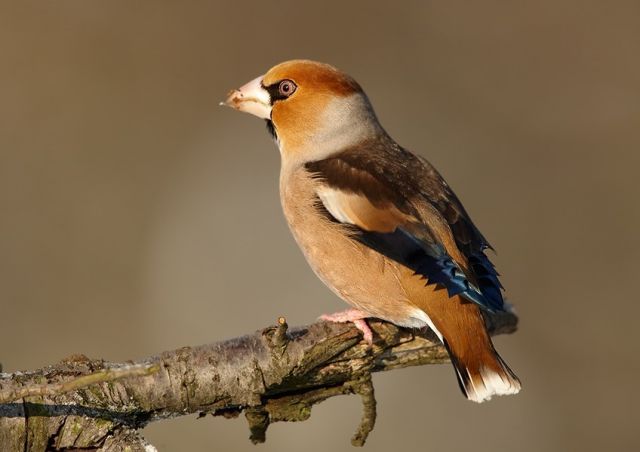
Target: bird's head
[[313, 109]]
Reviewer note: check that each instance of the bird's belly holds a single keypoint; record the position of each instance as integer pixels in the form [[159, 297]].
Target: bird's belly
[[357, 274]]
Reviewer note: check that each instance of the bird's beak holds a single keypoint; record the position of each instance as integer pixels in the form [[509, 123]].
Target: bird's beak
[[251, 98]]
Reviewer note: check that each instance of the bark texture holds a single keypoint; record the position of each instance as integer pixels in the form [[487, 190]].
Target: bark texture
[[272, 375]]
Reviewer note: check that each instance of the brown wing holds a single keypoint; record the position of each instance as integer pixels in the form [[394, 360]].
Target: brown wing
[[404, 209]]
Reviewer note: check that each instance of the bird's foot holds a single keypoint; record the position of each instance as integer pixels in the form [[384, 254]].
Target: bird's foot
[[354, 316]]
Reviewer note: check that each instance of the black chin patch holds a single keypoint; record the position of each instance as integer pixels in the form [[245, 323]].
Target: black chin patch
[[272, 129]]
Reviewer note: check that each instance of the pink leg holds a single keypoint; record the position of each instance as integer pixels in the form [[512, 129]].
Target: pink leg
[[355, 316]]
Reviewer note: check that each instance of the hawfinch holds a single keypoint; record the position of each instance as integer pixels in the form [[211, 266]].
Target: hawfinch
[[377, 223]]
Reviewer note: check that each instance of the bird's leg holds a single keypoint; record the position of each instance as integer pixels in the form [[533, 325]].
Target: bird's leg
[[354, 316]]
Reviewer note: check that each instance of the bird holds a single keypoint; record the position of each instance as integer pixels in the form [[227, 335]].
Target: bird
[[376, 222]]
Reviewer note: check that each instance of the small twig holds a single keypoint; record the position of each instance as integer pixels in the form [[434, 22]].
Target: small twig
[[280, 339], [365, 389], [258, 419], [101, 376]]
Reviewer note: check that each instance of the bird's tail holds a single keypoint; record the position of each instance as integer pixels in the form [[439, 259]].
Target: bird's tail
[[482, 373]]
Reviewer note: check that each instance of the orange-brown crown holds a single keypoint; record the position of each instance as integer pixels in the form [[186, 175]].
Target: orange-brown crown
[[313, 76]]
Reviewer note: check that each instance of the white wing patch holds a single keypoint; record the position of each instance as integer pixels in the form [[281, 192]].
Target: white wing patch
[[331, 200], [357, 209]]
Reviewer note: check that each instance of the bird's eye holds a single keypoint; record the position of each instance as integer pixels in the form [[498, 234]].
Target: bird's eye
[[287, 88]]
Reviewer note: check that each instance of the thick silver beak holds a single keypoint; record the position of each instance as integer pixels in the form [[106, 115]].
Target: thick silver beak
[[251, 98]]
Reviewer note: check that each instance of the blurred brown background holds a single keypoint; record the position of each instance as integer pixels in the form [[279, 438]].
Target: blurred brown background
[[138, 216]]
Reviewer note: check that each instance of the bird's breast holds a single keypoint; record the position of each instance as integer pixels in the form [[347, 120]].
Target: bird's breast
[[357, 274]]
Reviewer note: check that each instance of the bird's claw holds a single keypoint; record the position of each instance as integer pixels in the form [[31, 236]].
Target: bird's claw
[[354, 316]]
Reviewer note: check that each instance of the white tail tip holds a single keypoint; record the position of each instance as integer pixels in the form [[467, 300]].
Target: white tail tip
[[489, 383]]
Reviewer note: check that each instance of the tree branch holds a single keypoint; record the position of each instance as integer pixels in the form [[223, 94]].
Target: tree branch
[[12, 392], [273, 375]]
